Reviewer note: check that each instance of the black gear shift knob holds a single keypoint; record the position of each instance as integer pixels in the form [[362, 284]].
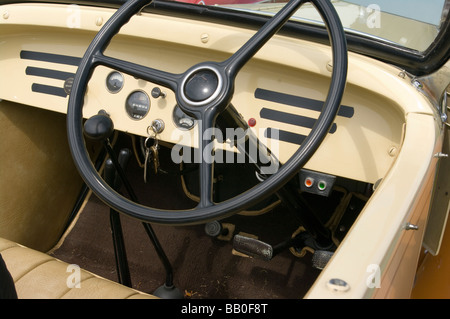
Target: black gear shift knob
[[99, 127]]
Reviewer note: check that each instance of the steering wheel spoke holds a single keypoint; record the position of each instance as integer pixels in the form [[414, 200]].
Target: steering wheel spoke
[[252, 46], [206, 158], [206, 185], [159, 77]]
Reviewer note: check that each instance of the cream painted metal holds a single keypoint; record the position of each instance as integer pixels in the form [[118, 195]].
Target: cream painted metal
[[373, 243]]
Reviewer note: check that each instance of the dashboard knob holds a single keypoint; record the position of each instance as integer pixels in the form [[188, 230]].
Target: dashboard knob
[[156, 93]]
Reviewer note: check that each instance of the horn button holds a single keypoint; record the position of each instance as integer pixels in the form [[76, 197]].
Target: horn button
[[201, 86]]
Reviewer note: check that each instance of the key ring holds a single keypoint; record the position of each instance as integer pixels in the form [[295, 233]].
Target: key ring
[[155, 141]]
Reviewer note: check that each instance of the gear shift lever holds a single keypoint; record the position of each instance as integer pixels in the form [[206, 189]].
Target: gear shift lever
[[100, 127]]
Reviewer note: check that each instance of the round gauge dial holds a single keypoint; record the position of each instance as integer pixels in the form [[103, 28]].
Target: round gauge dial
[[114, 82], [182, 120], [137, 105]]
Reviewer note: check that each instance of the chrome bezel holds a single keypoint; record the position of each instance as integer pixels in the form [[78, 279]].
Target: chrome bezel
[[148, 108], [109, 76]]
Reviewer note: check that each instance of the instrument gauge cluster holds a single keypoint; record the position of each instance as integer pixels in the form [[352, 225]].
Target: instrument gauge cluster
[[137, 101]]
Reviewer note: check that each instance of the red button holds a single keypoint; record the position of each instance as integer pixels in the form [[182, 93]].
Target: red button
[[251, 122]]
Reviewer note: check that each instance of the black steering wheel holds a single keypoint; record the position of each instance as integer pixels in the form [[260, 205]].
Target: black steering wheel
[[204, 90]]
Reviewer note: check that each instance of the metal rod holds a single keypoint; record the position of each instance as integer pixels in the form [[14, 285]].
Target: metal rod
[[123, 271], [148, 228]]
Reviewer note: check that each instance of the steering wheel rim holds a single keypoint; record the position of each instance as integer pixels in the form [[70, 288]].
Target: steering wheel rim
[[206, 210]]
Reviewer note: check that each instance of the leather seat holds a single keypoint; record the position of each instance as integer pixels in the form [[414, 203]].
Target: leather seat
[[37, 275]]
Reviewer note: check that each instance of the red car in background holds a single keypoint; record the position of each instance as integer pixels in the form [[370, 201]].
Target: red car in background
[[214, 2]]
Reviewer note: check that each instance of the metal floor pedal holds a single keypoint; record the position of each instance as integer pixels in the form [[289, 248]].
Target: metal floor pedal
[[252, 247]]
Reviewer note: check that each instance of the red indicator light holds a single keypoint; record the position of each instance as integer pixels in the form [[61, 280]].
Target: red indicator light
[[251, 122], [309, 182]]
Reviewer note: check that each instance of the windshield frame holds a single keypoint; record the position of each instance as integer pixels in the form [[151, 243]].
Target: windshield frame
[[412, 61]]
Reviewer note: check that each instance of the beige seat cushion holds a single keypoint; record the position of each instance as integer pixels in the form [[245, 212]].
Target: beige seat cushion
[[38, 275]]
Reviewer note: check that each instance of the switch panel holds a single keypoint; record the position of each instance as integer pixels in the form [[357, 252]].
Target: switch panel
[[316, 183]]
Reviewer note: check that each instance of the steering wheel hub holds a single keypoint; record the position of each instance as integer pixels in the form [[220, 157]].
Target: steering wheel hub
[[201, 86]]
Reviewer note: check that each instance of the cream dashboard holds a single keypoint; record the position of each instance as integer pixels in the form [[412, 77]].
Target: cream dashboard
[[279, 95]]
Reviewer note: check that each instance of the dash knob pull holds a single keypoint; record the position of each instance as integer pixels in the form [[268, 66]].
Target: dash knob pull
[[156, 93]]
